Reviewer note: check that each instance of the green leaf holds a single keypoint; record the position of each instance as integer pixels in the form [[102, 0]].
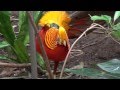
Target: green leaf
[[112, 66], [4, 57], [116, 34], [23, 27], [37, 15], [4, 44], [90, 72], [41, 61], [117, 15], [93, 73], [21, 51], [6, 27], [102, 17], [116, 27], [22, 15], [116, 31]]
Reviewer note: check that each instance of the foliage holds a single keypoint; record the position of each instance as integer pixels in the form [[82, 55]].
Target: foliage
[[16, 44], [113, 23], [102, 17], [4, 44], [109, 69]]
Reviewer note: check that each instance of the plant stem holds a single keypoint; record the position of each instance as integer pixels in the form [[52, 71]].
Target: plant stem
[[88, 29], [34, 73], [41, 46], [13, 65]]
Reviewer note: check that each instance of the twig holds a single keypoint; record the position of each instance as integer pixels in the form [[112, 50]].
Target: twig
[[12, 72], [41, 47], [100, 26], [98, 32], [107, 32], [16, 65], [76, 52], [22, 77], [13, 65], [114, 39], [5, 74], [88, 29], [34, 73]]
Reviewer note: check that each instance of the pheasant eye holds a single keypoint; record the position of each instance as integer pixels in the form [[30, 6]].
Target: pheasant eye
[[54, 25]]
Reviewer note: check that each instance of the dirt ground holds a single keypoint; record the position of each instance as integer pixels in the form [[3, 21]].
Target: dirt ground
[[96, 48]]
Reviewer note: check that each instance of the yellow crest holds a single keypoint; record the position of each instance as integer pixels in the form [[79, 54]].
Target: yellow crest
[[61, 18]]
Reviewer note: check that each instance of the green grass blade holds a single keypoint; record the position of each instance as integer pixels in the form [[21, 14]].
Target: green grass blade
[[37, 15], [23, 27], [6, 27], [2, 57], [41, 61], [6, 58], [21, 51], [4, 44]]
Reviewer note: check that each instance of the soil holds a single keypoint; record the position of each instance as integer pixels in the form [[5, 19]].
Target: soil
[[96, 48]]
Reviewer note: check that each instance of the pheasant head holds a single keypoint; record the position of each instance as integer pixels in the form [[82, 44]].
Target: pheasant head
[[58, 26]]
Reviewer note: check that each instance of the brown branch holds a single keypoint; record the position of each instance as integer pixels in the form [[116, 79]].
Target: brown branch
[[41, 47], [114, 39], [6, 74], [109, 34], [21, 77], [16, 65], [11, 73], [34, 73], [88, 29], [13, 65]]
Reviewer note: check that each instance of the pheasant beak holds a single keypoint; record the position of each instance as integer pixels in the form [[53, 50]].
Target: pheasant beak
[[62, 37]]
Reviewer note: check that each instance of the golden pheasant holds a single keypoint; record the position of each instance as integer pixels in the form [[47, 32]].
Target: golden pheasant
[[54, 34]]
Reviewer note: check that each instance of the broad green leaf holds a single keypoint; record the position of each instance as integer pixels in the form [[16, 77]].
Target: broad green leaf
[[37, 15], [117, 15], [116, 34], [113, 76], [93, 73], [41, 61], [112, 66], [21, 51], [116, 27], [6, 27], [23, 27], [102, 17], [4, 44], [116, 31], [90, 72]]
